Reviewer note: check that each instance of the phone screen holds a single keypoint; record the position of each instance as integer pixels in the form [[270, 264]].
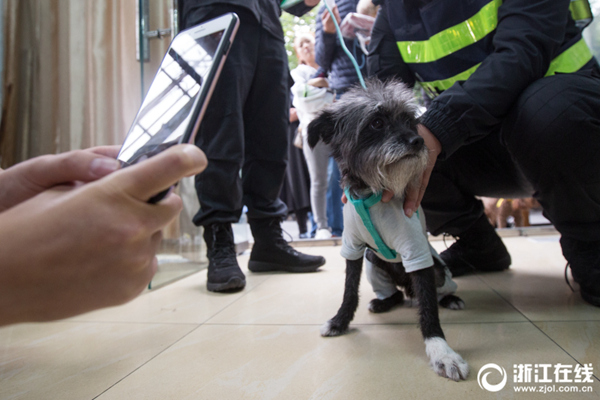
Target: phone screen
[[166, 112]]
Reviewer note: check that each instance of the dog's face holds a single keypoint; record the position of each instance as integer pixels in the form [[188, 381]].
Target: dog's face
[[373, 137]]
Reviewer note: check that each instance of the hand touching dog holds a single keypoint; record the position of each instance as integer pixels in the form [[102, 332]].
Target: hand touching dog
[[415, 193]]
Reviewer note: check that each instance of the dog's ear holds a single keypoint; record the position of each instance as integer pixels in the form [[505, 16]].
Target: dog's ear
[[321, 128]]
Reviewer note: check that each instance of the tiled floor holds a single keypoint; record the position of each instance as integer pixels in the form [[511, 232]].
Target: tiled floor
[[182, 342]]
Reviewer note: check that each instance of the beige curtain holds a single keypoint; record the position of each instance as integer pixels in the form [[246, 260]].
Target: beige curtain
[[71, 77], [72, 80]]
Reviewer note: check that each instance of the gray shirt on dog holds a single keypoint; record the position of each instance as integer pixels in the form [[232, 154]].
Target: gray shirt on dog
[[407, 236]]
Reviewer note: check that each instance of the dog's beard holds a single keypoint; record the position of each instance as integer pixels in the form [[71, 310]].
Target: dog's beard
[[404, 173], [392, 170]]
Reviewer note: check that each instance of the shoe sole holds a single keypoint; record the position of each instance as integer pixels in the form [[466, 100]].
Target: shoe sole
[[262, 266], [593, 300], [232, 284]]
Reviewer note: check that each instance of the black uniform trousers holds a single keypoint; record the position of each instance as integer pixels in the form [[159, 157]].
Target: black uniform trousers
[[245, 126], [548, 147]]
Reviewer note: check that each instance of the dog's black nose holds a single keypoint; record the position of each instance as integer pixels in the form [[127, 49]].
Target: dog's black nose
[[416, 141]]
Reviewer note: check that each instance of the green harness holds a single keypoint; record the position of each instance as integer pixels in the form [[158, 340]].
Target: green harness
[[362, 208]]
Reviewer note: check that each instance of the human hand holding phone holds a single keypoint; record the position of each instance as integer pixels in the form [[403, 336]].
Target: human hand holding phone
[[94, 243]]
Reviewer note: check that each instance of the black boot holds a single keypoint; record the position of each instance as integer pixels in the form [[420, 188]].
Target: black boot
[[584, 259], [479, 248], [224, 273], [271, 252]]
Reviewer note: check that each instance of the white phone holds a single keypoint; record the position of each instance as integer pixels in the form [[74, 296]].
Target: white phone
[[176, 101], [330, 3]]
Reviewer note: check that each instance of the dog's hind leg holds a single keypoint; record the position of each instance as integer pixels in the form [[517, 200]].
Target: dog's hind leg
[[445, 286], [452, 302], [384, 305], [380, 275], [444, 361], [339, 324]]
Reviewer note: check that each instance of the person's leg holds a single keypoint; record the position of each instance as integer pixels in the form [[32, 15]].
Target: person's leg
[[221, 137], [317, 160], [221, 134], [553, 132], [313, 225], [266, 123], [335, 215], [301, 220], [483, 168]]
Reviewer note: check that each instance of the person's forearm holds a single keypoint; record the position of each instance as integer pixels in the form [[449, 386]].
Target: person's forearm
[[22, 271], [12, 310], [325, 49], [302, 8], [527, 38]]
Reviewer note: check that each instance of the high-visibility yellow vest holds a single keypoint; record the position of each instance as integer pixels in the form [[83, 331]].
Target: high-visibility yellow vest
[[469, 42], [581, 12]]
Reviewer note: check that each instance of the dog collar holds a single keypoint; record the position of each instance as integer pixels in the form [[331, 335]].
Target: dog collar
[[362, 208]]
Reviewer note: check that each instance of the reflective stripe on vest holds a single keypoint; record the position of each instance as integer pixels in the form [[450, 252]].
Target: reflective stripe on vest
[[581, 12], [472, 31], [454, 38], [570, 60]]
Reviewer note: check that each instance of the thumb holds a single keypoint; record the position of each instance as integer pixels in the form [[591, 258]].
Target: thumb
[[387, 196], [411, 199], [344, 198], [158, 173]]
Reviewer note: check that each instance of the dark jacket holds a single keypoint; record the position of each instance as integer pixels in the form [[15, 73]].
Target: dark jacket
[[329, 53], [529, 35], [266, 12]]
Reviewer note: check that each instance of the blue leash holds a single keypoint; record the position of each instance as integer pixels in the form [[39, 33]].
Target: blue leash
[[343, 43]]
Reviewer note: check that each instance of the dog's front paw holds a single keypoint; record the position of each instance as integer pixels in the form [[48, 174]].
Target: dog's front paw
[[333, 328], [445, 361], [452, 302]]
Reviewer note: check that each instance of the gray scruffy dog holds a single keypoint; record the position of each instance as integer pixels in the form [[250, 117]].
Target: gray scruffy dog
[[373, 137]]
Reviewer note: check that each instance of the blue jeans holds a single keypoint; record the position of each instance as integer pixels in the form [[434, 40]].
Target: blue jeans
[[335, 216]]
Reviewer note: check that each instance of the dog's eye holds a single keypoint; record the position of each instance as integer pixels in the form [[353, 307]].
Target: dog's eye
[[377, 124]]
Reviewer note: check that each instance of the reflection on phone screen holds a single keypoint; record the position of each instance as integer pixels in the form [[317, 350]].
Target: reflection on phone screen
[[166, 113]]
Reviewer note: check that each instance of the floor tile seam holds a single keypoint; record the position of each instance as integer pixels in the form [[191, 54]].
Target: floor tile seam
[[246, 292], [530, 321], [300, 325], [148, 361], [570, 355], [130, 322], [502, 297], [367, 324], [549, 321]]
